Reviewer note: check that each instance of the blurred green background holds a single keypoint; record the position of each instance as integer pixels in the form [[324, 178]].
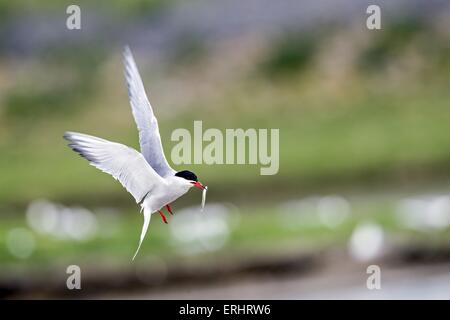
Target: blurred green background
[[364, 121]]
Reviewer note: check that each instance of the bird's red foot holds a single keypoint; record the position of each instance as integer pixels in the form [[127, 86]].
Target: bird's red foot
[[163, 217], [169, 209]]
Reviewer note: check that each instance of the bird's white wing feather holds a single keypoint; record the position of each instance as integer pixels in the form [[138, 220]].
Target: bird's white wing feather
[[123, 163], [147, 124]]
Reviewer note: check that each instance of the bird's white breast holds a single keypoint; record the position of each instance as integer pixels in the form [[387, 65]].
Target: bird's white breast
[[164, 194]]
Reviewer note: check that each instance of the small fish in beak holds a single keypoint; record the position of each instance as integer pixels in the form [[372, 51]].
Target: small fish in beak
[[204, 197], [201, 187]]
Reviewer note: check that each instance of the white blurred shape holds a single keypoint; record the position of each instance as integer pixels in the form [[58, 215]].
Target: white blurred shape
[[42, 216], [424, 213], [299, 212], [20, 243], [333, 210], [76, 223], [194, 231], [366, 242], [313, 211], [410, 213], [438, 213]]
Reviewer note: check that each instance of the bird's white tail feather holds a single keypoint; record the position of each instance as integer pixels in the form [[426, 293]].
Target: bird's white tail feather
[[147, 216]]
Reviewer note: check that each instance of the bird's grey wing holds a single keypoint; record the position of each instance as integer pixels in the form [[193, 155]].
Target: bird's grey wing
[[147, 124], [123, 163]]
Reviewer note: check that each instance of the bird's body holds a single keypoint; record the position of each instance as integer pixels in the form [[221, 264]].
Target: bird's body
[[164, 194], [146, 175]]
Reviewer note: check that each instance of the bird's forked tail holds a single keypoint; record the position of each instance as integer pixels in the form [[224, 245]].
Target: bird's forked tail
[[147, 216]]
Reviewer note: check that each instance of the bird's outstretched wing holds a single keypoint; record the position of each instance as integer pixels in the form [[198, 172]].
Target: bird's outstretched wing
[[147, 124], [123, 163]]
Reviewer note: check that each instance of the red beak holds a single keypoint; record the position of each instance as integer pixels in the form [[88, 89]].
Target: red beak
[[198, 185]]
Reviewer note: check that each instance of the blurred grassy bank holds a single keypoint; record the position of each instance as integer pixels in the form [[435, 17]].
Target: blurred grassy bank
[[382, 115]]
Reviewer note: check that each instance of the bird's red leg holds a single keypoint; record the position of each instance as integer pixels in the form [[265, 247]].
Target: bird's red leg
[[169, 209], [162, 216]]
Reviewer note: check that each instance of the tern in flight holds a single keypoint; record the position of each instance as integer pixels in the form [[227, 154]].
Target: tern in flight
[[146, 175]]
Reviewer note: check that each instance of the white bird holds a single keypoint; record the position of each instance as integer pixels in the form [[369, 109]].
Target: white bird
[[146, 175]]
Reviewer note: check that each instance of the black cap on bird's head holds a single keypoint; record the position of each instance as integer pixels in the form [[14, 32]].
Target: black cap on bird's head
[[188, 175]]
